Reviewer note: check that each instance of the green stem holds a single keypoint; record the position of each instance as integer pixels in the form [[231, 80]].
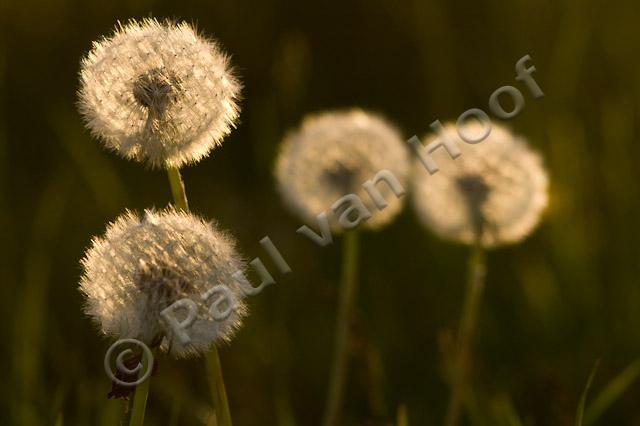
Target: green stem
[[177, 189], [140, 397], [218, 391], [340, 354], [212, 359], [126, 418], [473, 296]]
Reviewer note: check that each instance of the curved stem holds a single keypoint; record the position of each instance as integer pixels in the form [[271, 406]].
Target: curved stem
[[212, 359], [340, 354], [473, 296]]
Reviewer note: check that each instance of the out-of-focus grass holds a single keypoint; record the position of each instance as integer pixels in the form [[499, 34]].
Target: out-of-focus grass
[[568, 295], [402, 418], [611, 392], [585, 393], [32, 307]]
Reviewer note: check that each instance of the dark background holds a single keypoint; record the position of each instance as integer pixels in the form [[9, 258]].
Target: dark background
[[568, 295]]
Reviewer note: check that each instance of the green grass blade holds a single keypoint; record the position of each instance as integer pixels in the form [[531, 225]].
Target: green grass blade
[[612, 392], [585, 392]]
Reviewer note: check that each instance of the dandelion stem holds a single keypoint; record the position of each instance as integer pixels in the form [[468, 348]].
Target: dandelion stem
[[140, 396], [126, 418], [218, 391], [212, 359], [177, 189], [340, 354], [473, 296]]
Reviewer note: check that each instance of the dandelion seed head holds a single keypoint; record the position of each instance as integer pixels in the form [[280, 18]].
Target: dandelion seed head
[[158, 93], [333, 154], [145, 263], [497, 187]]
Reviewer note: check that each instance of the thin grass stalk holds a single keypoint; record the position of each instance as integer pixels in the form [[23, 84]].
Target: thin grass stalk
[[583, 398], [348, 286], [212, 359], [612, 392], [473, 297]]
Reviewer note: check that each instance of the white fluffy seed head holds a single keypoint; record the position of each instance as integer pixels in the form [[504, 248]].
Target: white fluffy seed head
[[158, 93], [497, 187], [333, 154], [145, 263]]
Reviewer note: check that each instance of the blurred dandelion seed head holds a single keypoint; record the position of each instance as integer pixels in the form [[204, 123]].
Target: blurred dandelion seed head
[[143, 264], [333, 154], [497, 186], [158, 93]]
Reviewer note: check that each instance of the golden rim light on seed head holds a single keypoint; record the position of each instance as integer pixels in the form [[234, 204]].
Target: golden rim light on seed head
[[498, 185], [158, 93], [333, 154], [145, 263]]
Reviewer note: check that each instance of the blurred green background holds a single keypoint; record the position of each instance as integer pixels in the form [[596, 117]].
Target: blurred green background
[[567, 296]]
